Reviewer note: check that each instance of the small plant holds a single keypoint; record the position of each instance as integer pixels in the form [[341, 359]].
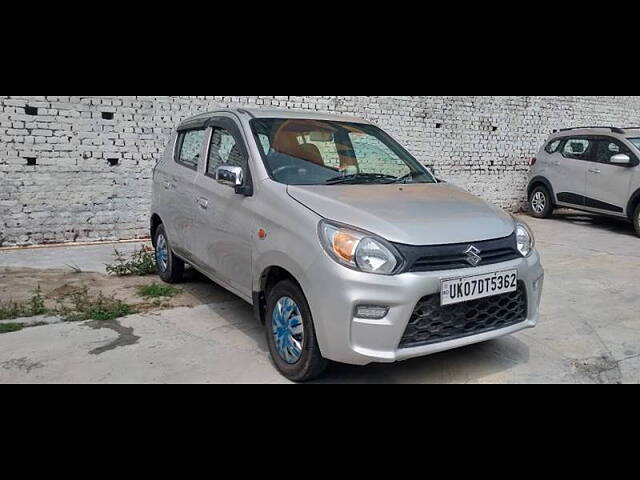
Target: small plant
[[142, 262], [34, 307], [158, 291], [75, 269], [37, 303], [10, 327], [10, 310], [101, 308]]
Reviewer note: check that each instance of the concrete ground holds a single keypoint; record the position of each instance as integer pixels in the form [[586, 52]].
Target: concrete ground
[[589, 330]]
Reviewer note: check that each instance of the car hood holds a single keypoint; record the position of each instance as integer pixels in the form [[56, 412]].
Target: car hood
[[422, 214]]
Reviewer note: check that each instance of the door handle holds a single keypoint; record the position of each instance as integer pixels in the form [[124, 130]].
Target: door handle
[[167, 185], [596, 171], [203, 203]]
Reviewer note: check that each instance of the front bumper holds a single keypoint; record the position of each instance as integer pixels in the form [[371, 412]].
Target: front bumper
[[334, 292]]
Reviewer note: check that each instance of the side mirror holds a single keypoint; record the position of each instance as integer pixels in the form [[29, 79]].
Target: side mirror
[[621, 159], [230, 176]]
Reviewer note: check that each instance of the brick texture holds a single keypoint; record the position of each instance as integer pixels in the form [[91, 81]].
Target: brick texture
[[94, 155]]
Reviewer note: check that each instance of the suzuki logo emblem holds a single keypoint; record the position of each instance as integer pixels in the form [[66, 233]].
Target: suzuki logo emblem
[[473, 256]]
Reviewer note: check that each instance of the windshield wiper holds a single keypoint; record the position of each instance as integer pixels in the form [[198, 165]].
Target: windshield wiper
[[359, 178]]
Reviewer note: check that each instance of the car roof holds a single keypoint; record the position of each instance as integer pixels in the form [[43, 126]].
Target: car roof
[[251, 113]]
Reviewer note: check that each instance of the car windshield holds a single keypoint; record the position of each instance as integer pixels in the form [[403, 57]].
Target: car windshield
[[636, 142], [315, 152]]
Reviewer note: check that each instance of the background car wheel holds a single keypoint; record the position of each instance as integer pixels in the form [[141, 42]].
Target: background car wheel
[[540, 203], [636, 220], [291, 335], [170, 268]]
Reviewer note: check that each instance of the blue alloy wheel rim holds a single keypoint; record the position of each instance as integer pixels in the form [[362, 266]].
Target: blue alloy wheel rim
[[162, 253], [288, 330]]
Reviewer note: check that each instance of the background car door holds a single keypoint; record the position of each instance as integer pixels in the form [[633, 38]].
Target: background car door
[[608, 185], [568, 174], [178, 180], [224, 223]]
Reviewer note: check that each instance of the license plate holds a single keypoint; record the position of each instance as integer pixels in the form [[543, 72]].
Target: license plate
[[465, 289]]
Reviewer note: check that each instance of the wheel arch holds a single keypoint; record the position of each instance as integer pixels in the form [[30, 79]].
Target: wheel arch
[[634, 200], [270, 277], [541, 181], [155, 222]]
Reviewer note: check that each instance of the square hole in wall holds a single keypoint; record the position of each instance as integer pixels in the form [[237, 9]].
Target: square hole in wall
[[113, 162], [438, 125], [494, 129], [107, 115], [30, 110], [31, 161]]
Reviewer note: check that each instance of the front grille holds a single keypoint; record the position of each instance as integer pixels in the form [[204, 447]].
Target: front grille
[[432, 323], [451, 257]]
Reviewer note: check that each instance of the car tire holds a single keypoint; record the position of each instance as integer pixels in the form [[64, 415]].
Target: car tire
[[636, 219], [291, 336], [170, 268], [540, 202]]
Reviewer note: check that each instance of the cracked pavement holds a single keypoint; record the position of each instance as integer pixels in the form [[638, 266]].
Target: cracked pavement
[[589, 330]]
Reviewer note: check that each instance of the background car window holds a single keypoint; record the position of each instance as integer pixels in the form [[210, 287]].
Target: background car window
[[609, 148], [373, 156], [224, 151], [190, 148], [578, 148], [552, 147]]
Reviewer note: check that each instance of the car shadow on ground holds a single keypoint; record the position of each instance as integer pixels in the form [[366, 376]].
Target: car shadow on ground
[[463, 365], [597, 221]]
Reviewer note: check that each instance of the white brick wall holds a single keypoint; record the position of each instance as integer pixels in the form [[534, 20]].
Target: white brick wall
[[482, 143]]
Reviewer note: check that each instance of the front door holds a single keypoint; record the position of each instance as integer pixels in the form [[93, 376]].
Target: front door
[[608, 184], [568, 175], [224, 222]]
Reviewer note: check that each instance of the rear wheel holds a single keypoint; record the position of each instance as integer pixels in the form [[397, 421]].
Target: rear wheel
[[170, 268], [636, 219], [291, 335], [540, 202]]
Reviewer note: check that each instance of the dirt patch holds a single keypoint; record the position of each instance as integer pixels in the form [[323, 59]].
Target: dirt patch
[[19, 284]]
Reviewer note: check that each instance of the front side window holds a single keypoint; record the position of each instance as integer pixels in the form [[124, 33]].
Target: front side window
[[190, 148], [224, 151], [318, 152], [578, 148], [636, 142], [608, 148]]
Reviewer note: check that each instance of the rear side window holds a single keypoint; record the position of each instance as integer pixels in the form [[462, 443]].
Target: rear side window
[[552, 147], [189, 148], [578, 148]]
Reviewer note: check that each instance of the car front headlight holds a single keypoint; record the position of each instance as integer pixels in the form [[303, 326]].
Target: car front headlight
[[359, 250], [525, 239]]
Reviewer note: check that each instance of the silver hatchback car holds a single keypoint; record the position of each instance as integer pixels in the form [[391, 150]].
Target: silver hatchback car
[[348, 248], [595, 169]]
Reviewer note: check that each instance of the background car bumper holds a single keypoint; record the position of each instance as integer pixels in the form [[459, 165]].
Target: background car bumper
[[334, 293]]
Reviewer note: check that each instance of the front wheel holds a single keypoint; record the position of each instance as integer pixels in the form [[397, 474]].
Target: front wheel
[[291, 335], [540, 203], [636, 220]]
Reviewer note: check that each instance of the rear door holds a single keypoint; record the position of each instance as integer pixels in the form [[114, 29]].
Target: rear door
[[568, 173], [178, 181], [608, 185]]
